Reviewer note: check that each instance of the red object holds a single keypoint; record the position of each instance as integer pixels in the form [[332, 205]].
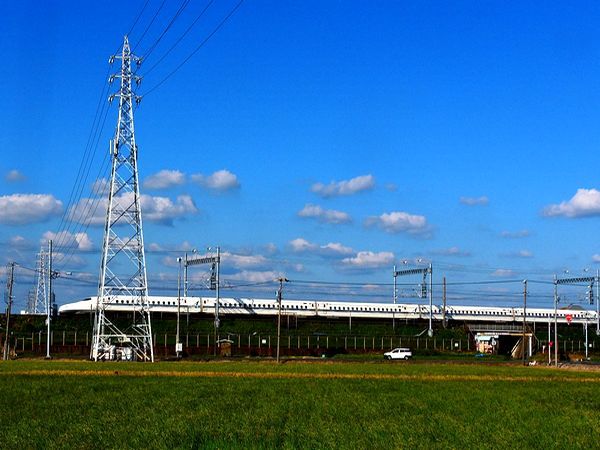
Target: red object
[[569, 318], [550, 344]]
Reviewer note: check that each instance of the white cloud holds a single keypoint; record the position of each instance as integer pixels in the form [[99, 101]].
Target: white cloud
[[452, 251], [255, 276], [184, 247], [324, 215], [299, 268], [515, 234], [101, 187], [154, 247], [475, 201], [336, 248], [504, 273], [170, 261], [300, 245], [271, 248], [20, 209], [221, 180], [525, 254], [346, 187], [14, 176], [369, 260], [164, 210], [400, 222], [596, 258], [164, 179], [19, 241], [243, 261], [80, 241], [370, 287], [154, 209], [69, 260], [585, 202]]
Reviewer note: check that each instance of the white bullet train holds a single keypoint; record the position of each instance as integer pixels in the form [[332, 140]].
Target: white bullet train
[[333, 309]]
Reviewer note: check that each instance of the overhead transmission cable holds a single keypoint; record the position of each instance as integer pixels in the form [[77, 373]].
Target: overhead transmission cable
[[86, 158], [148, 26], [80, 218], [189, 28], [204, 41], [182, 7], [137, 18]]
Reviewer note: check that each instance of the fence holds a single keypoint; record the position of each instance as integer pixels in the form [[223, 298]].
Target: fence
[[74, 343]]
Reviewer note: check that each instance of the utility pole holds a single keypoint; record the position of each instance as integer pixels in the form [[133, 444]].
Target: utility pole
[[444, 302], [586, 336], [9, 289], [217, 292], [177, 343], [430, 331], [395, 299], [549, 340], [279, 296], [598, 302], [49, 303], [524, 320], [185, 276], [218, 298], [555, 321]]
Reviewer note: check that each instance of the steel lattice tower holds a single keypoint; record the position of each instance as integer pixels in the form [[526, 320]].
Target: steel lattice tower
[[39, 303], [123, 269]]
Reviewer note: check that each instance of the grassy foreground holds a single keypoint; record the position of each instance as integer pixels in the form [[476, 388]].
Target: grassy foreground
[[295, 405]]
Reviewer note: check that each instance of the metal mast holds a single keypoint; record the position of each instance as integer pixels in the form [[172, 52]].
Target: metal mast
[[38, 304], [123, 268]]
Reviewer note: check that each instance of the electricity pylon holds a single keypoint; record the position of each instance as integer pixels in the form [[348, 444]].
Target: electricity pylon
[[123, 268], [39, 299]]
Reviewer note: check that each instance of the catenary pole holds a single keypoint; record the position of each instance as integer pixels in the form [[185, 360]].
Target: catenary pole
[[524, 320], [9, 286], [49, 304], [555, 321]]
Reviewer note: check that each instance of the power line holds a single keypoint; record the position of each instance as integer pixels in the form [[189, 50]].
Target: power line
[[217, 28], [137, 18], [177, 14], [87, 157], [198, 17], [148, 27]]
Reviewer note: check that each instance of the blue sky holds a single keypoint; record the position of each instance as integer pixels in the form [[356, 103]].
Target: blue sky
[[323, 141]]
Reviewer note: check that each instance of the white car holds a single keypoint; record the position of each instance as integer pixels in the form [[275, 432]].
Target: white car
[[398, 353]]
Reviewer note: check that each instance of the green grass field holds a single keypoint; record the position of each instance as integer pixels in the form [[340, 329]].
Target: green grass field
[[246, 404]]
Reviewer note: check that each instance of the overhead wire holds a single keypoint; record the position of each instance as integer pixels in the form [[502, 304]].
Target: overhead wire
[[204, 41], [148, 26], [189, 28], [85, 164], [137, 18], [182, 7]]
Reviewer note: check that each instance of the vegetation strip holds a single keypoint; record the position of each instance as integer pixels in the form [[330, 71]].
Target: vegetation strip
[[277, 375]]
